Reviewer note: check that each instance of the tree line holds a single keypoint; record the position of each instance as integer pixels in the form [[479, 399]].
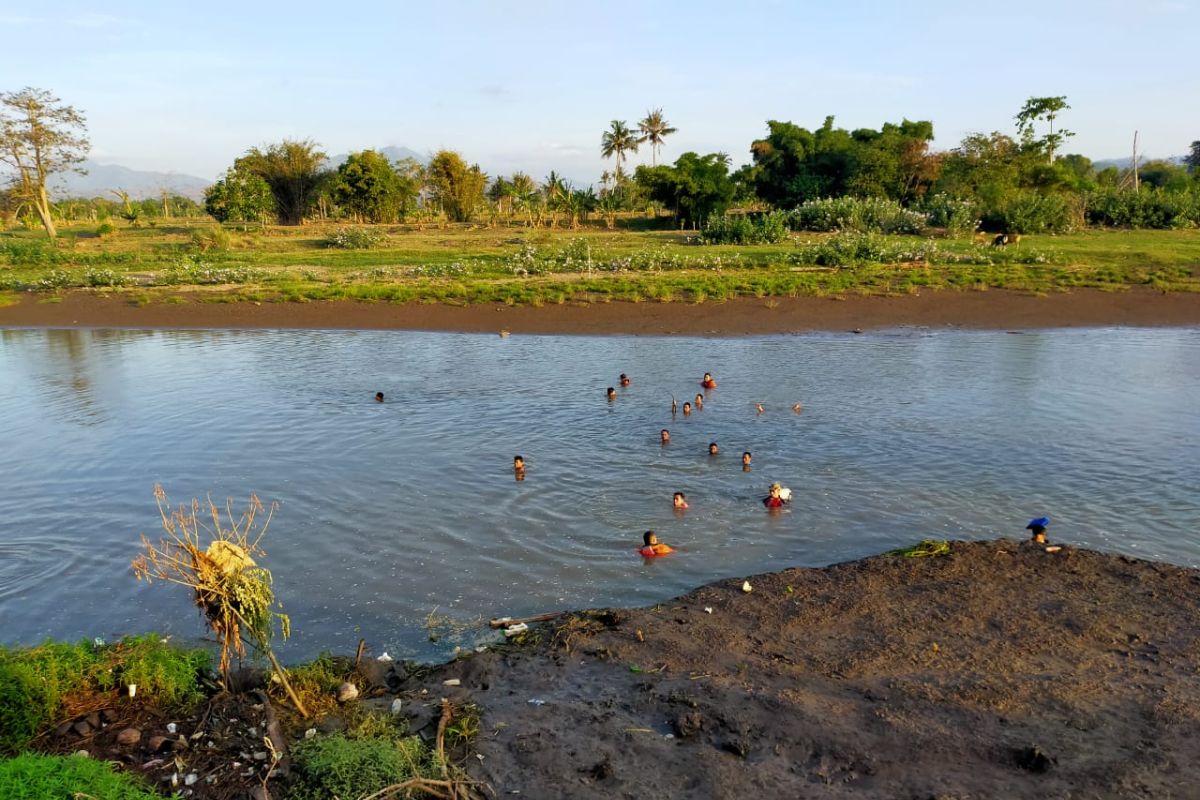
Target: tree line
[[1017, 181]]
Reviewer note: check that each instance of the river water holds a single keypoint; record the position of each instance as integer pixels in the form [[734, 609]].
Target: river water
[[391, 511]]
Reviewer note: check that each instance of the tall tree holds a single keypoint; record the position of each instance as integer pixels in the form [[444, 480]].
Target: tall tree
[[1039, 108], [1192, 159], [618, 140], [39, 136], [696, 188], [368, 187], [455, 185], [294, 171], [239, 196], [654, 129]]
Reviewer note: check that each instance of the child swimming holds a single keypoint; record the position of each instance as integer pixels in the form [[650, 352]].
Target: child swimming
[[652, 547]]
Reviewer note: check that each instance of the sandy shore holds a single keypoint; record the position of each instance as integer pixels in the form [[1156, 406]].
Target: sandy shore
[[997, 671], [994, 309]]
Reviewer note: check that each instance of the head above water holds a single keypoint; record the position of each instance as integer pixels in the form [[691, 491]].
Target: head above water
[[746, 457], [612, 393], [518, 462], [679, 500], [664, 435], [649, 538], [775, 489], [687, 408], [708, 376], [379, 397], [712, 448]]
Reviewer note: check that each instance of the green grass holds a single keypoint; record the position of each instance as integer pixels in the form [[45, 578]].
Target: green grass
[[338, 766], [39, 685], [523, 266], [36, 777]]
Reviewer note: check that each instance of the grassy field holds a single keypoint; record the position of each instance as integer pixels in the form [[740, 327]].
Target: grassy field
[[196, 260]]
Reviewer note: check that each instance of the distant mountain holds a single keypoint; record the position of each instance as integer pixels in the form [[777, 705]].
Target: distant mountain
[[101, 179], [1123, 163], [392, 152]]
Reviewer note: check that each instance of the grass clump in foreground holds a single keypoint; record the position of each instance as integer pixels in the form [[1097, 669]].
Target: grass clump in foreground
[[40, 685], [342, 766], [37, 777], [923, 549]]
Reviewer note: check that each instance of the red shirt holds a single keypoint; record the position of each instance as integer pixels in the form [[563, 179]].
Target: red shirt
[[773, 502], [652, 550]]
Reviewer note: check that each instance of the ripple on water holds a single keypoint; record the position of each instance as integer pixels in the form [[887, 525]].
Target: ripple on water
[[31, 566]]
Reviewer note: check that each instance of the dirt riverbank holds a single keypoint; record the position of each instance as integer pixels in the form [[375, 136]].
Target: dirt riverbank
[[997, 671], [996, 309]]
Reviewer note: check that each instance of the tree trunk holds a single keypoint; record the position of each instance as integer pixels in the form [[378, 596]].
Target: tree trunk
[[41, 204]]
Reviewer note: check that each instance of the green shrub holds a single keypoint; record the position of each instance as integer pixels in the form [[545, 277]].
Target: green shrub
[[1149, 208], [106, 230], [26, 252], [851, 249], [36, 683], [745, 229], [861, 214], [958, 217], [214, 238], [335, 766], [104, 277], [1029, 212], [31, 776], [354, 239]]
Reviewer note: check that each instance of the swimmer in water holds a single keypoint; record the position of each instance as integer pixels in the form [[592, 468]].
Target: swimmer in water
[[708, 382], [797, 408], [699, 402], [379, 397], [1037, 529], [624, 379], [519, 468], [678, 500], [746, 457], [759, 408], [774, 499], [664, 436], [712, 448], [687, 409], [652, 547], [612, 394]]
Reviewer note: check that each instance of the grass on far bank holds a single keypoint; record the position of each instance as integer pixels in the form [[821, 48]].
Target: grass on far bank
[[525, 266]]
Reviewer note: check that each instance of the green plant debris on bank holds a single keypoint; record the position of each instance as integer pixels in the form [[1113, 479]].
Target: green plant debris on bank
[[31, 776]]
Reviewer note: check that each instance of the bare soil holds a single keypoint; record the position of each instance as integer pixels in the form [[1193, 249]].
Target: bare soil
[[999, 670], [995, 309]]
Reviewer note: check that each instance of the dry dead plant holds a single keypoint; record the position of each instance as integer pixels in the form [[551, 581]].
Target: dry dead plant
[[216, 561]]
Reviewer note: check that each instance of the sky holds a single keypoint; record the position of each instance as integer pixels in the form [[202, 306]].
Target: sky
[[530, 85]]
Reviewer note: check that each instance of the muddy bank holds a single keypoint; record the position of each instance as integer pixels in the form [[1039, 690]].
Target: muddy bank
[[996, 309], [996, 671]]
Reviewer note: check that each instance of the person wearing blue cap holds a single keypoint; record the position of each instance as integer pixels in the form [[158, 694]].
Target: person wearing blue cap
[[1038, 529]]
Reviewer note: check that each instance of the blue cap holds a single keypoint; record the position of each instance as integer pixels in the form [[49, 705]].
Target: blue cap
[[1040, 522]]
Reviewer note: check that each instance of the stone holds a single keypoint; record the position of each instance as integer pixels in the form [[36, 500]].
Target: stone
[[93, 719], [129, 737], [63, 729], [347, 692], [108, 716], [83, 754], [158, 744], [82, 728]]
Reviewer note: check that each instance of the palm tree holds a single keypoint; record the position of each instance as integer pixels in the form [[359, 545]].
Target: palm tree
[[654, 129], [616, 141]]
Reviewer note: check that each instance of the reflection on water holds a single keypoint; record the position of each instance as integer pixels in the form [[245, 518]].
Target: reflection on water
[[390, 510]]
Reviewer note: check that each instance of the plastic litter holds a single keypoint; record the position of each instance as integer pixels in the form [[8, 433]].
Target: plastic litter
[[747, 588], [514, 630]]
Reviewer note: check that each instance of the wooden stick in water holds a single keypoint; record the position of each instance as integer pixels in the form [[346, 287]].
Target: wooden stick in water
[[504, 622]]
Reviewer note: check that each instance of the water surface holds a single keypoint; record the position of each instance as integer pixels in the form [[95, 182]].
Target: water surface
[[389, 511]]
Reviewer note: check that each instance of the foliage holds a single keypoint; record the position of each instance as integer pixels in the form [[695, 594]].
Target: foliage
[[106, 230], [293, 171], [39, 137], [210, 238], [768, 228], [353, 238], [695, 188], [456, 187], [793, 164], [338, 766], [32, 776], [1043, 108], [193, 270], [958, 217], [654, 129], [1150, 208], [370, 189], [38, 683], [923, 549], [875, 215], [241, 196], [615, 142], [216, 561], [1192, 159], [849, 249], [1027, 211]]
